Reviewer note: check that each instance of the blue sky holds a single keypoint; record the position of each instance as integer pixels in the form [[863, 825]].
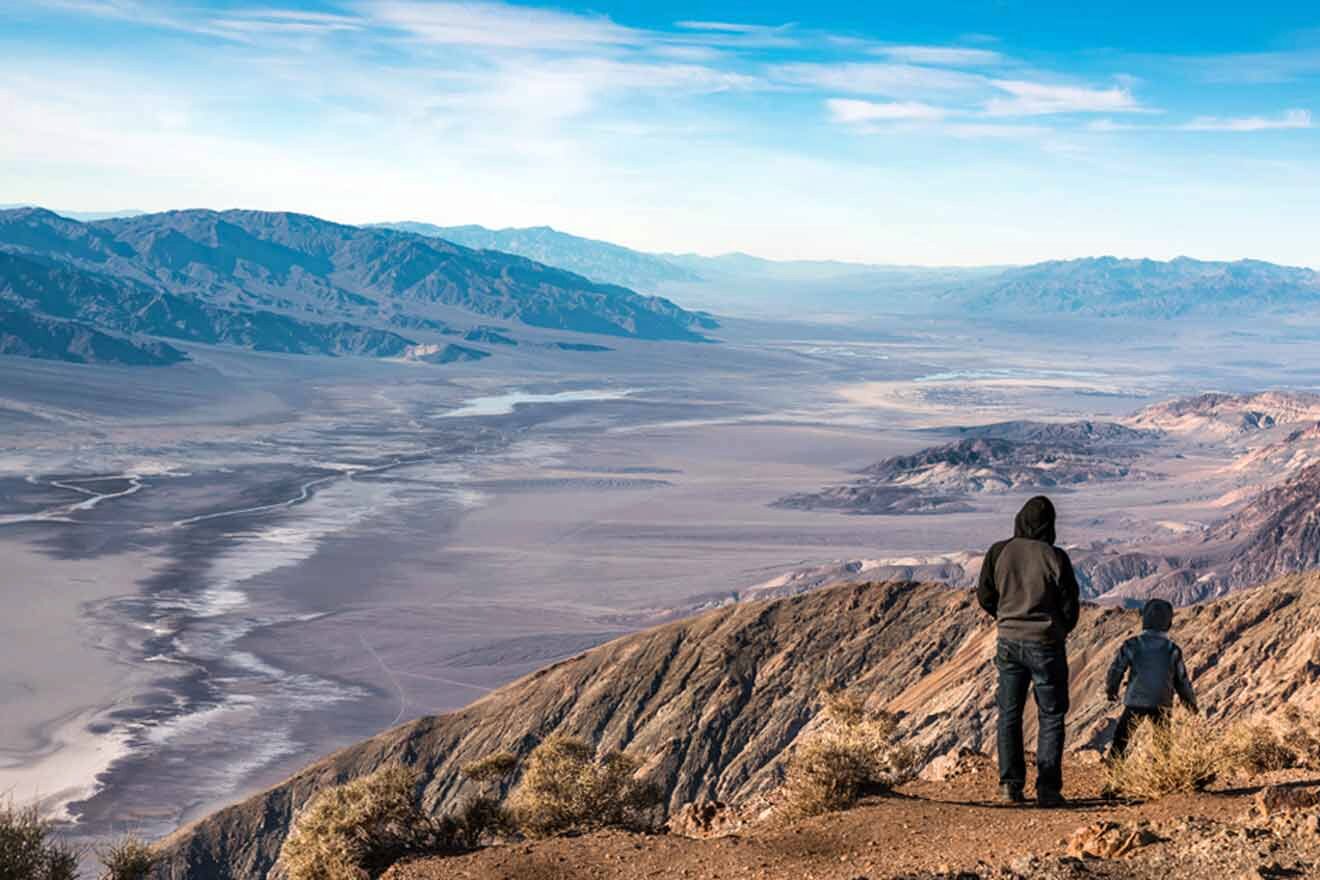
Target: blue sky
[[932, 133]]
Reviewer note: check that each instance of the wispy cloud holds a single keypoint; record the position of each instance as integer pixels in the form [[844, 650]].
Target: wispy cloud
[[915, 117], [879, 78], [851, 111], [288, 21], [498, 25], [1288, 119], [950, 56], [1037, 99], [1257, 68]]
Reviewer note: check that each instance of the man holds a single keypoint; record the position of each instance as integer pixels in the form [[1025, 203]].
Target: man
[[1028, 585]]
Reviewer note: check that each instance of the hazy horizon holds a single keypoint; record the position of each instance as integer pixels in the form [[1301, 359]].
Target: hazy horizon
[[957, 134], [92, 215]]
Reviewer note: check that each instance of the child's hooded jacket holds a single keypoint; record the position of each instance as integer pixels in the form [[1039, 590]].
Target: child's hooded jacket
[[1156, 661]]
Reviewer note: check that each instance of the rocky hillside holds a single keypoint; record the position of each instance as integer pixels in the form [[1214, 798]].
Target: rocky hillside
[[1229, 415], [292, 283], [1004, 457], [713, 703], [1275, 533], [24, 333]]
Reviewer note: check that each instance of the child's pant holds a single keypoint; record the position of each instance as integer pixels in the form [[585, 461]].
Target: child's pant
[[1126, 722]]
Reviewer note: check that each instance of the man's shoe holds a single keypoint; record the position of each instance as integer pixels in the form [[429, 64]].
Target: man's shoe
[[1051, 799], [1012, 793]]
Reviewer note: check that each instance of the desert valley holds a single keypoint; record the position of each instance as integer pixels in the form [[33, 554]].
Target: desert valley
[[272, 486]]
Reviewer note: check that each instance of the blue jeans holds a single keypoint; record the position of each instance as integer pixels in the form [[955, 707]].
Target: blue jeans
[[1022, 665]]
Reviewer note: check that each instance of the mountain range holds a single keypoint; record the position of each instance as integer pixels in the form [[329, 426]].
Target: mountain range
[[292, 283], [713, 705], [600, 260], [1109, 287], [285, 282], [1094, 287]]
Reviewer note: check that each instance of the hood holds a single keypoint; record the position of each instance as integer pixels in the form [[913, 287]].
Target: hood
[[1035, 520], [1157, 614]]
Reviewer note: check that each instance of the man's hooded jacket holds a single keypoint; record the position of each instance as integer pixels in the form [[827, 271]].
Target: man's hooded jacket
[[1027, 584]]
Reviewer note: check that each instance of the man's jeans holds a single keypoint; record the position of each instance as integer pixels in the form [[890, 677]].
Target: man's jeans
[[1023, 664]]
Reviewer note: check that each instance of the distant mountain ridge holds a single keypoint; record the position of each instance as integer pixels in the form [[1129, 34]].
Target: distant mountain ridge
[[1109, 287], [598, 260], [293, 283], [1093, 287]]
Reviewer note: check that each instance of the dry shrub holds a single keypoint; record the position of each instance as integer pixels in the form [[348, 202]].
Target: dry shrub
[[1301, 735], [1185, 753], [1255, 748], [357, 830], [567, 787], [28, 849], [129, 858], [854, 754], [479, 821], [492, 769]]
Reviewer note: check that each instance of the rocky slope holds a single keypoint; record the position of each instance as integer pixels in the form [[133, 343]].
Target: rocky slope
[[1004, 457], [1275, 533], [712, 704], [1229, 415], [293, 283], [37, 336]]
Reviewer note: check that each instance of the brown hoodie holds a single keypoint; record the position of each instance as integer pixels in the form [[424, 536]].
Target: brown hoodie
[[1027, 584]]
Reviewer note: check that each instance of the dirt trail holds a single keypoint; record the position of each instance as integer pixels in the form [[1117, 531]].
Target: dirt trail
[[929, 829]]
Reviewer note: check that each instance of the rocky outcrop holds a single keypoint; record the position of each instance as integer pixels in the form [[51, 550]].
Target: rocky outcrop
[[712, 705], [1005, 457], [29, 335], [1276, 533], [1228, 415]]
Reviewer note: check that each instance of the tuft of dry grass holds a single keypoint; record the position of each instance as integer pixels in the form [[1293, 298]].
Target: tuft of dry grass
[[854, 754], [29, 849], [1184, 753], [492, 769], [355, 831], [1252, 749], [479, 821], [567, 787], [1301, 735], [129, 858]]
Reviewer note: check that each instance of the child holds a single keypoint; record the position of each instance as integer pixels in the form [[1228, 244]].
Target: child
[[1157, 674]]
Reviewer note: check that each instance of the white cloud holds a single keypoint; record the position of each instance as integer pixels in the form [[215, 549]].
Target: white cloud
[[890, 80], [498, 25], [728, 27], [1288, 119], [1038, 99], [849, 111], [952, 56], [275, 21]]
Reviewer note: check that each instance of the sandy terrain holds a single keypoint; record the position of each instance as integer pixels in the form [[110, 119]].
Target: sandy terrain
[[59, 674]]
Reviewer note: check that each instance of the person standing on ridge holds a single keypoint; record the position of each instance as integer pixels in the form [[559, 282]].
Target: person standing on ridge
[[1028, 585], [1153, 664]]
